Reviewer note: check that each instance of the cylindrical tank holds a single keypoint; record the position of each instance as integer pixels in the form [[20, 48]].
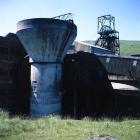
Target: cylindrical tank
[[46, 41], [45, 81]]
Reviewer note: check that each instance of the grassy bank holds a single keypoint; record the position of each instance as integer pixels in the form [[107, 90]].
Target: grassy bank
[[54, 128], [129, 47]]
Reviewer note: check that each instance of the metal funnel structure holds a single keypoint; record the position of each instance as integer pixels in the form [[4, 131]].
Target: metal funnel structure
[[46, 41]]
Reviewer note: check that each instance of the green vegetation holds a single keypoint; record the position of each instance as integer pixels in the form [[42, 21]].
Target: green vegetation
[[129, 47], [55, 128]]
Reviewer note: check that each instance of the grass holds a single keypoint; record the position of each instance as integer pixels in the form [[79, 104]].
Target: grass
[[55, 128], [129, 47]]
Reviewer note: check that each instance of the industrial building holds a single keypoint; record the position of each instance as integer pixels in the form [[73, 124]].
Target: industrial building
[[86, 47], [42, 73], [14, 76]]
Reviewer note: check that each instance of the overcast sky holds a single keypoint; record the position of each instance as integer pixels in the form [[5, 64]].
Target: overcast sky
[[126, 12]]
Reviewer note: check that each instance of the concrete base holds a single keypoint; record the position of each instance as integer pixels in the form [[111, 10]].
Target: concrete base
[[45, 89]]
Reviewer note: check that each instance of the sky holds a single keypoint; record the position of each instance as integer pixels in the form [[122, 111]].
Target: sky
[[85, 13]]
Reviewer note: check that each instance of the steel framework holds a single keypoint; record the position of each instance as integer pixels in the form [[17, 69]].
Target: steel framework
[[67, 17], [109, 37]]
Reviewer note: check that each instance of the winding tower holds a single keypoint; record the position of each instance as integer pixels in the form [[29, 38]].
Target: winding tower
[[109, 37]]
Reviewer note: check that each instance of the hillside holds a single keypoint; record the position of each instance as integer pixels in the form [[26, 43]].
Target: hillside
[[127, 47]]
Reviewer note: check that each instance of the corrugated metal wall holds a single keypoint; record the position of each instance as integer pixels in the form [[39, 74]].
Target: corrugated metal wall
[[87, 90], [127, 66], [14, 76]]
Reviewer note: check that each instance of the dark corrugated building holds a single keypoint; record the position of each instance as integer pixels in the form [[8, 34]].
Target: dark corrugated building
[[14, 76], [87, 89], [89, 92]]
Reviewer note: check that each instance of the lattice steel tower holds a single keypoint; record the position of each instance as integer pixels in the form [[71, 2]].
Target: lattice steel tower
[[109, 37]]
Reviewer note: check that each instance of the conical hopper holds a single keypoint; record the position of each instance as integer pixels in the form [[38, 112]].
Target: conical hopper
[[46, 42]]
